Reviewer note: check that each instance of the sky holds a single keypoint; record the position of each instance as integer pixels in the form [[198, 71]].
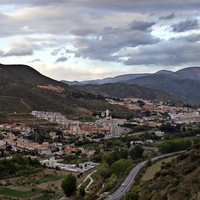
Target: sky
[[94, 39]]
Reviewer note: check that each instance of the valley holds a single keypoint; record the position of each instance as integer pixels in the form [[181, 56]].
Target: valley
[[91, 132]]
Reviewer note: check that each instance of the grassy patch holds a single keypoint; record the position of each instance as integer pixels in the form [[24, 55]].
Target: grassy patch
[[44, 179], [149, 174], [21, 194], [48, 178], [45, 198]]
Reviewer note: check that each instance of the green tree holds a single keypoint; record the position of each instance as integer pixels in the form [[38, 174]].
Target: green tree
[[133, 194], [136, 152], [69, 185], [128, 143], [105, 172], [120, 166], [175, 145], [82, 191]]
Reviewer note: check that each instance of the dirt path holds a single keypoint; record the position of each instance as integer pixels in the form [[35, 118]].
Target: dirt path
[[22, 100]]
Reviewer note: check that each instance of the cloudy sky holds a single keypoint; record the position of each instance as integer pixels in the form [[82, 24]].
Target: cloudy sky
[[90, 39]]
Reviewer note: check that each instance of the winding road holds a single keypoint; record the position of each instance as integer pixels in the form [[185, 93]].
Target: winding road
[[128, 182]]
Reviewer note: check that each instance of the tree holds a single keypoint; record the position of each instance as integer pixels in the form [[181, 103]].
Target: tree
[[82, 191], [136, 152], [69, 185], [133, 194], [128, 143], [120, 166]]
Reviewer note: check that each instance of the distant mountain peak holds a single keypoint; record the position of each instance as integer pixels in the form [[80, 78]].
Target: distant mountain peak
[[168, 72], [189, 73]]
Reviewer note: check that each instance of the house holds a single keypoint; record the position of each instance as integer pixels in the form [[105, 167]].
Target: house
[[136, 142], [46, 152]]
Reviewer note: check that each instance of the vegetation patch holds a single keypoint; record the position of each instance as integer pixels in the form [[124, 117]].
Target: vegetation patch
[[156, 167], [15, 193], [178, 179], [45, 198]]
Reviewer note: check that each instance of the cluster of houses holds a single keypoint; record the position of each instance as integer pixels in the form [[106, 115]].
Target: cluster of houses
[[107, 126], [51, 87], [54, 117], [185, 117], [160, 112], [15, 127], [19, 143], [52, 162]]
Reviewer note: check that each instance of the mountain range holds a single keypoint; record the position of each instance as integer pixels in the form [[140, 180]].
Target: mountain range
[[184, 83], [23, 89]]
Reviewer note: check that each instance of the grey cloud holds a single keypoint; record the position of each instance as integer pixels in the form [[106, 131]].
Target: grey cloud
[[188, 38], [142, 6], [172, 54], [36, 60], [103, 2], [83, 31], [100, 29], [19, 51], [110, 40], [141, 25], [79, 20], [69, 51], [77, 54], [61, 59], [56, 51], [31, 2], [167, 17], [193, 38], [2, 53], [185, 25]]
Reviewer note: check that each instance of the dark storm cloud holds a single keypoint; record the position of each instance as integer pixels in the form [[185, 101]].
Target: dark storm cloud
[[61, 59], [185, 25]]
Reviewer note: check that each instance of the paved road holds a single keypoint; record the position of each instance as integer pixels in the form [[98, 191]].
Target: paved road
[[128, 182]]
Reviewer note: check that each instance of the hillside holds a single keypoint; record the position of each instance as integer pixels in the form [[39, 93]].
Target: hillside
[[177, 86], [183, 83], [116, 79], [123, 90], [23, 89], [189, 73], [178, 180]]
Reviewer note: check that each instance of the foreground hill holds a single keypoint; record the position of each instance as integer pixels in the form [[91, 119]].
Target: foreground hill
[[123, 90], [23, 89], [178, 180]]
